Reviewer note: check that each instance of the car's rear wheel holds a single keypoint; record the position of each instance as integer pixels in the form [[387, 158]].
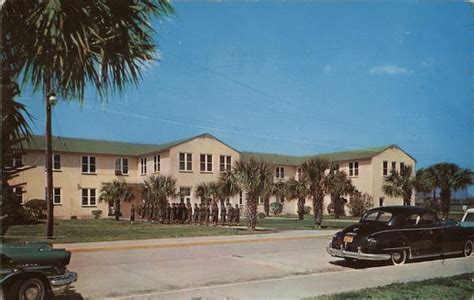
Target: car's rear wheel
[[32, 288], [467, 248], [398, 257]]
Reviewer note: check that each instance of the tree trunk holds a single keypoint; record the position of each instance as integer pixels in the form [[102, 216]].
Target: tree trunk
[[251, 213], [445, 197], [337, 209], [301, 202], [318, 211], [266, 206]]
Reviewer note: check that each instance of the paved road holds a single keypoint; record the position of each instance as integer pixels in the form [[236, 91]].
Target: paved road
[[286, 265]]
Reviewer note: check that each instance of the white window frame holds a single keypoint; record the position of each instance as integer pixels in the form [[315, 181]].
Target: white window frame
[[143, 162], [88, 164], [402, 164], [206, 164], [120, 166], [89, 197], [18, 193], [17, 160], [299, 173], [58, 156], [280, 172], [187, 161], [225, 163], [241, 198], [156, 163], [56, 195], [385, 168], [186, 198], [393, 167], [353, 169]]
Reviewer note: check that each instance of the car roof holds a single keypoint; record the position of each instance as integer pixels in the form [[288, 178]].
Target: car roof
[[402, 209], [470, 210]]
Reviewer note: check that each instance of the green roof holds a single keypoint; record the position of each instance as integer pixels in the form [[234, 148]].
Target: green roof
[[77, 145], [278, 159]]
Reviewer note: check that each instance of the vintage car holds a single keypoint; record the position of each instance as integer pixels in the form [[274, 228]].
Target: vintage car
[[401, 233], [468, 218], [34, 271]]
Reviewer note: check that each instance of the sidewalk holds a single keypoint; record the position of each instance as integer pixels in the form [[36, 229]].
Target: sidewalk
[[195, 241], [297, 287]]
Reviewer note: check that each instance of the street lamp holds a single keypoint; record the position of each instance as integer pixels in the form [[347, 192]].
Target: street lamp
[[50, 101]]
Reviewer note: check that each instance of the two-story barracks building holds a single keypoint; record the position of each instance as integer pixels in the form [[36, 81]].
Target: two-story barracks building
[[82, 166]]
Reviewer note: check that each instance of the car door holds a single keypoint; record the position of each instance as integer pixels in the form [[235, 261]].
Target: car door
[[431, 234], [414, 236]]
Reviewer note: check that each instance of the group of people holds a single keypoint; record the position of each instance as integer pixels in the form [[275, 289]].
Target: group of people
[[181, 213]]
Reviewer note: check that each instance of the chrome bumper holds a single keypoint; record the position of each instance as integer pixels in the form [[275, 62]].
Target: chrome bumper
[[356, 255], [60, 284]]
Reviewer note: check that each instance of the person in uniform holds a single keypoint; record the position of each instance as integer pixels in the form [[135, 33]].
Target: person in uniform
[[168, 213], [229, 213], [223, 213], [189, 213], [207, 213], [183, 212], [132, 214], [196, 214], [145, 211], [201, 214], [173, 213], [237, 215], [215, 213]]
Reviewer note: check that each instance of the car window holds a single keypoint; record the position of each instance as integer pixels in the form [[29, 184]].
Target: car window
[[469, 217], [428, 219], [412, 220], [377, 216]]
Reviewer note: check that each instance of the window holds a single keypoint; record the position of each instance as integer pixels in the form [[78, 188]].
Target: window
[[402, 165], [18, 193], [88, 164], [241, 198], [206, 162], [428, 219], [394, 167], [280, 172], [17, 160], [354, 168], [143, 165], [377, 216], [56, 195], [156, 163], [88, 197], [411, 220], [260, 200], [185, 193], [56, 162], [225, 163], [185, 161], [381, 199], [121, 166], [385, 168]]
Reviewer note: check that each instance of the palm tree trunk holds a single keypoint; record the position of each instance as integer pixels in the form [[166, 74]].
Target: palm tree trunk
[[266, 206], [117, 209], [301, 202], [337, 209], [252, 213], [445, 197], [318, 211]]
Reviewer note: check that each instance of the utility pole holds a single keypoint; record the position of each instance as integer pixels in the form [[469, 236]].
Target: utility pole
[[50, 99]]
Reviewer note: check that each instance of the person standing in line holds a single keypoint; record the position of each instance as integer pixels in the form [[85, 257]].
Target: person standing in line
[[196, 214], [173, 213], [184, 212], [168, 213], [229, 212], [207, 213], [215, 213], [132, 214], [237, 214], [223, 212]]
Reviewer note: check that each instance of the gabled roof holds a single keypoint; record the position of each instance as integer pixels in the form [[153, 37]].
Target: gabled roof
[[77, 145], [356, 154]]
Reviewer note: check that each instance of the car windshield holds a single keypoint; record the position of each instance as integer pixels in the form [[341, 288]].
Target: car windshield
[[469, 217], [377, 216]]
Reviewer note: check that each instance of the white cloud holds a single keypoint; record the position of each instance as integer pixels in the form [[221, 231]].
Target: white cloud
[[328, 69], [389, 70]]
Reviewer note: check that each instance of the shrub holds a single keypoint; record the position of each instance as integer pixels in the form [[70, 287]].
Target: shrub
[[330, 208], [307, 210], [37, 208], [97, 213], [261, 215], [276, 208], [73, 217], [360, 203]]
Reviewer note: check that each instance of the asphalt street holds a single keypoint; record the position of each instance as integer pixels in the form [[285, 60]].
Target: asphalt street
[[286, 265]]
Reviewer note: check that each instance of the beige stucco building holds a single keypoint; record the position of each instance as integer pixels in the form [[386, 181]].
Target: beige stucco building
[[82, 166]]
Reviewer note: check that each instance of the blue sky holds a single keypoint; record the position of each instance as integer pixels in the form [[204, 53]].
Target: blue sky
[[298, 78]]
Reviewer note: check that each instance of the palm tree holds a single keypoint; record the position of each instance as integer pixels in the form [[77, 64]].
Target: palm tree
[[62, 46], [253, 176], [297, 189], [338, 184], [279, 190], [114, 193], [403, 183], [449, 177], [203, 191], [159, 189], [314, 176]]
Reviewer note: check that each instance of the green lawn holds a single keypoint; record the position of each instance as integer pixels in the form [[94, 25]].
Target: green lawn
[[76, 231], [456, 287]]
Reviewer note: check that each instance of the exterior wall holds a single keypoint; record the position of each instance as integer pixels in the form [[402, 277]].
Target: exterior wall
[[71, 180], [191, 179], [389, 155]]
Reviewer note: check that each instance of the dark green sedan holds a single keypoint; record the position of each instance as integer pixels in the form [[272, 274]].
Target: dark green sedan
[[34, 271]]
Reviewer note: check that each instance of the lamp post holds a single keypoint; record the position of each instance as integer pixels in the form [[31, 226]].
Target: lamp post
[[50, 101]]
